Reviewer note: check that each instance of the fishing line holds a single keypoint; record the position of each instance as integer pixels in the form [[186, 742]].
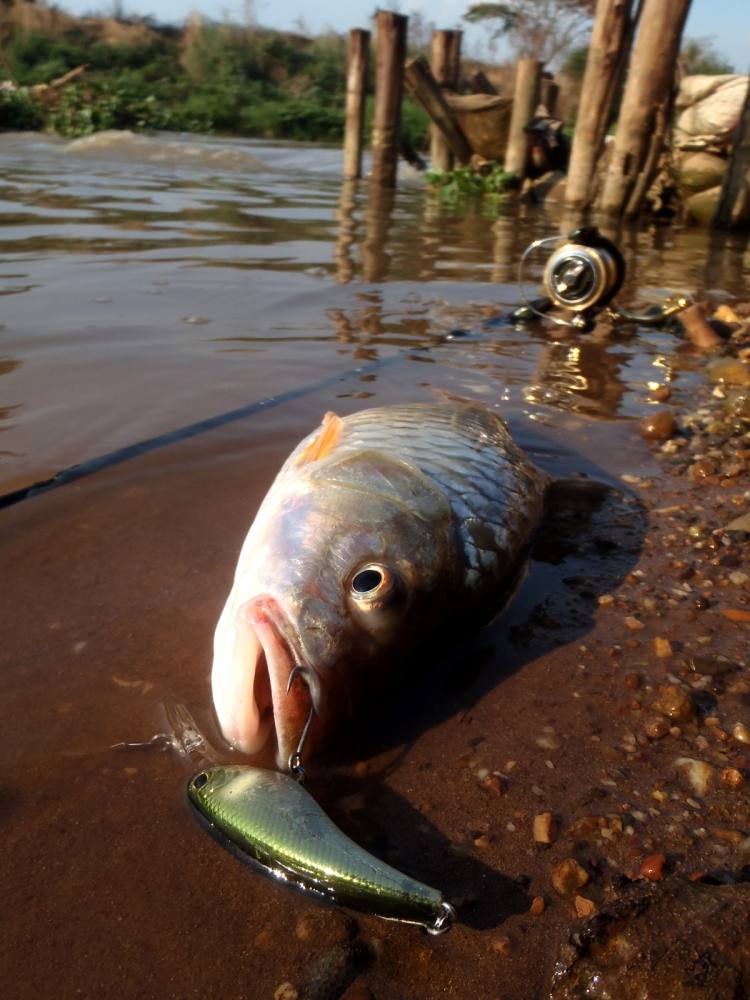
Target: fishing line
[[75, 472]]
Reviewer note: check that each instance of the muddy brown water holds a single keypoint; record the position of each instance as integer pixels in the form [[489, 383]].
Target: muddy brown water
[[149, 284]]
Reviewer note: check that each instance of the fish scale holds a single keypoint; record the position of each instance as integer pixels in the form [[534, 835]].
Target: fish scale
[[467, 451]]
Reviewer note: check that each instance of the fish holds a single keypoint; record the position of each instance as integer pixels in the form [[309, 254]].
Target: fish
[[383, 531], [276, 823]]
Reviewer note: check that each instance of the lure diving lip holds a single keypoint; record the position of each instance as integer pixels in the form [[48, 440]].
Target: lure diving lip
[[277, 824]]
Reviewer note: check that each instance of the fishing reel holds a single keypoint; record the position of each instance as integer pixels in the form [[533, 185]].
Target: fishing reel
[[582, 276]]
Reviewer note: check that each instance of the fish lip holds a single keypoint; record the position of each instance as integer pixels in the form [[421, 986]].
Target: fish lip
[[290, 706]]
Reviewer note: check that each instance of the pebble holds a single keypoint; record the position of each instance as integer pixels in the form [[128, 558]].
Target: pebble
[[652, 867], [567, 876], [741, 732], [729, 371], [656, 727], [736, 615], [738, 578], [632, 681], [634, 624], [662, 648], [732, 778], [701, 469], [658, 426], [697, 772], [538, 906], [711, 665], [285, 992], [502, 945], [605, 599], [675, 703], [661, 393], [584, 907], [545, 828]]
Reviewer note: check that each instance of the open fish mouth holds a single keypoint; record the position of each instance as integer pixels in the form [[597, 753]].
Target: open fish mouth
[[250, 679]]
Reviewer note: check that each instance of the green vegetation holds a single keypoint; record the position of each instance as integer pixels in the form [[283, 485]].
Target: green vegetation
[[210, 78], [457, 185]]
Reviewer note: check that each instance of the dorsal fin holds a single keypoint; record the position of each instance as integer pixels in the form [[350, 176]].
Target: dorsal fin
[[324, 441]]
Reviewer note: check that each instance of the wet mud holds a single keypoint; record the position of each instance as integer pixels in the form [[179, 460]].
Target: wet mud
[[570, 777]]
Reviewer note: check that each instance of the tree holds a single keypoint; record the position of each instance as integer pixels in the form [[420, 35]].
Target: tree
[[700, 56], [540, 29]]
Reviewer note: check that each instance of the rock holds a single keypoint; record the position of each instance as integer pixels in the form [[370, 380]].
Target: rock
[[675, 703], [725, 314], [584, 907], [334, 970], [545, 828], [567, 876], [538, 906], [741, 733], [711, 665], [661, 393], [632, 681], [732, 778], [702, 205], [662, 648], [652, 867], [663, 940], [741, 523], [285, 992], [737, 615], [502, 945], [658, 426], [656, 728], [728, 371], [701, 469], [697, 772], [634, 624]]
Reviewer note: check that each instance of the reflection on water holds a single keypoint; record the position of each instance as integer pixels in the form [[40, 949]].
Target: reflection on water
[[149, 282]]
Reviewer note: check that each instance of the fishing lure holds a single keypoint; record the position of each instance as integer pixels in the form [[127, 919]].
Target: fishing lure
[[272, 819]]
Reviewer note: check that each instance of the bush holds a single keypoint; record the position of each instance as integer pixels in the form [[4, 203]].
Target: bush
[[18, 112]]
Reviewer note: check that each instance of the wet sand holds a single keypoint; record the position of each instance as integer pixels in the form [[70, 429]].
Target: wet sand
[[112, 587]]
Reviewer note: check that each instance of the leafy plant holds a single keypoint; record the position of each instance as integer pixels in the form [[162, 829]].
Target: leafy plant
[[464, 182]]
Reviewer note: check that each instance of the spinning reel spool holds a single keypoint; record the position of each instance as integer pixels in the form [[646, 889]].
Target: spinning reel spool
[[582, 277]]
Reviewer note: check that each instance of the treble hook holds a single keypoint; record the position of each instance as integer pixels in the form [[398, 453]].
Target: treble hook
[[310, 678]]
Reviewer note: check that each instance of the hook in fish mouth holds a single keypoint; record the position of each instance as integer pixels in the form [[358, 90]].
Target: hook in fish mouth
[[312, 682]]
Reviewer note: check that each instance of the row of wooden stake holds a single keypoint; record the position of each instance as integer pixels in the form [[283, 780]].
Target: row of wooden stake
[[643, 119]]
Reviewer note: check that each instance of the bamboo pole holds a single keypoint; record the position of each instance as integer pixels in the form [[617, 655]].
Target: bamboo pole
[[648, 86], [610, 42], [734, 203], [445, 61], [525, 100], [390, 50], [480, 84], [423, 87], [357, 58]]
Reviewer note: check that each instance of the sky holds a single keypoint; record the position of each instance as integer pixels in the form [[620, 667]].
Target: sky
[[726, 22]]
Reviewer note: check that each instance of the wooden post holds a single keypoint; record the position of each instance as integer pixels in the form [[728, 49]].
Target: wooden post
[[734, 203], [610, 43], [525, 100], [479, 84], [446, 58], [357, 58], [549, 91], [390, 50], [423, 87], [649, 85]]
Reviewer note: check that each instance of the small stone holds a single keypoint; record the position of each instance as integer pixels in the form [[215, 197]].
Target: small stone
[[661, 393], [652, 867], [732, 778], [675, 703], [738, 578], [538, 906], [493, 784], [697, 772], [662, 648], [728, 371], [604, 599], [739, 615], [634, 624], [567, 876], [656, 727], [285, 992], [701, 469], [632, 681], [545, 828], [658, 426], [502, 945], [584, 907], [741, 732], [711, 665]]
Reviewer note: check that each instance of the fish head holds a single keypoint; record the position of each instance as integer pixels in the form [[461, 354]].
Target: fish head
[[346, 568]]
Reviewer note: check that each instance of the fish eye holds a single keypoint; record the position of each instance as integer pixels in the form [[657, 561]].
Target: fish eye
[[200, 780], [371, 583]]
